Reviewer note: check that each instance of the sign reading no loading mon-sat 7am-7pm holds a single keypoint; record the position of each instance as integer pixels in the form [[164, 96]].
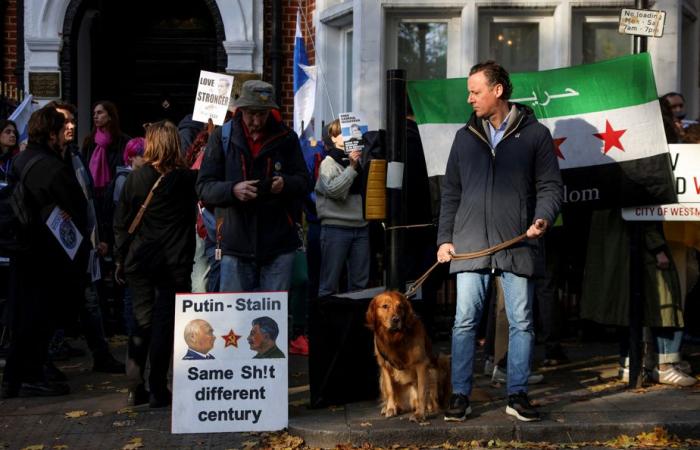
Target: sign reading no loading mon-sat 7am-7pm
[[230, 362]]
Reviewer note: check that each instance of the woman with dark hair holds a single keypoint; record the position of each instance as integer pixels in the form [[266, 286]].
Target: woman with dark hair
[[156, 256], [103, 151], [9, 147]]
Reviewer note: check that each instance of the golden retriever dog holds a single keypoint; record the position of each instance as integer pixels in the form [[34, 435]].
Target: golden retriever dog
[[411, 377]]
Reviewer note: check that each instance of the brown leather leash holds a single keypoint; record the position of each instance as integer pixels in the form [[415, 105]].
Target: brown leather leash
[[461, 257]]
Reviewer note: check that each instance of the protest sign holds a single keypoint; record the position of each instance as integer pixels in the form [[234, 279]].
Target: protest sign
[[685, 160], [352, 127], [65, 231], [213, 95], [230, 362]]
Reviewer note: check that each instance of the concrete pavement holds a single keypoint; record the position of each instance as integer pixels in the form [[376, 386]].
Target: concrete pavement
[[580, 402]]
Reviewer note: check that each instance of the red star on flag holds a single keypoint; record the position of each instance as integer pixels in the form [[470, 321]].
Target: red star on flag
[[610, 137], [557, 150], [231, 339]]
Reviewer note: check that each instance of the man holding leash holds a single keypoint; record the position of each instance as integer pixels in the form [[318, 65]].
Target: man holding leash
[[502, 180]]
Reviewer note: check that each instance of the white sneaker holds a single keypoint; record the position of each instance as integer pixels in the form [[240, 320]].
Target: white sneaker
[[673, 376], [624, 374], [684, 366], [488, 366], [500, 376]]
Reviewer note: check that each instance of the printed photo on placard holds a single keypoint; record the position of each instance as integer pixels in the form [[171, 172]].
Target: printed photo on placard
[[213, 96], [230, 369], [352, 128]]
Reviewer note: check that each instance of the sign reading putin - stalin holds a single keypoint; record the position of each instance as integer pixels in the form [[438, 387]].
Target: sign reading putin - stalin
[[230, 368]]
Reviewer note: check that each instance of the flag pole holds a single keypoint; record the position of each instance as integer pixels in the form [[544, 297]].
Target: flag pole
[[636, 300]]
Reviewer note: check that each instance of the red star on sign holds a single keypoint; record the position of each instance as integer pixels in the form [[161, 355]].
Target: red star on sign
[[610, 137], [557, 150], [231, 339]]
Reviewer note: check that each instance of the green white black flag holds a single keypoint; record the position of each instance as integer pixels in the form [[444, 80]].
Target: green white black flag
[[604, 118]]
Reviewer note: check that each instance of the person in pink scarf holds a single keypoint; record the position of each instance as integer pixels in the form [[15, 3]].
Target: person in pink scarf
[[102, 152]]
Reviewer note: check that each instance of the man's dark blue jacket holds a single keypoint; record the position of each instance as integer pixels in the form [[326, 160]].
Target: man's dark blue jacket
[[491, 195]]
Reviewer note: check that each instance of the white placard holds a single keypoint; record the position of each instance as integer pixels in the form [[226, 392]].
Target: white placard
[[685, 160], [238, 380], [352, 127], [642, 22], [394, 175], [213, 95], [65, 231]]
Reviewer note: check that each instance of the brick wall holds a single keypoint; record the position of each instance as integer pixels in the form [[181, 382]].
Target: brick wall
[[9, 43], [289, 17]]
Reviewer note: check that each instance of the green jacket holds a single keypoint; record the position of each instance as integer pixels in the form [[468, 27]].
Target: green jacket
[[273, 352], [606, 279]]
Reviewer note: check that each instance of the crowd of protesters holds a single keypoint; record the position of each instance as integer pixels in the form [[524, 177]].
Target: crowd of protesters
[[243, 207]]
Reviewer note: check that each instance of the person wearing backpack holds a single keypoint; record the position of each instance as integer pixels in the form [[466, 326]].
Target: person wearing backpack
[[254, 173], [40, 275]]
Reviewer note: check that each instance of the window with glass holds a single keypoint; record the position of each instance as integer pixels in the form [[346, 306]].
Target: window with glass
[[515, 45], [602, 41], [348, 70], [422, 49], [426, 46], [595, 37]]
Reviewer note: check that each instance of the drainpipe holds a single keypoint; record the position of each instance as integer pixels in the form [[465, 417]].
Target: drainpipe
[[276, 49]]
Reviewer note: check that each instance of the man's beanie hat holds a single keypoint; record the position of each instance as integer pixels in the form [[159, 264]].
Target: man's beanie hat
[[256, 94]]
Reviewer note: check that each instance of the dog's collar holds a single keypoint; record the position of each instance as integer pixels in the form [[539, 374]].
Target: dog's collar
[[386, 358]]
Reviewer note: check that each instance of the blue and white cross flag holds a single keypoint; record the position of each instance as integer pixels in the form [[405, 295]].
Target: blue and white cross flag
[[304, 82]]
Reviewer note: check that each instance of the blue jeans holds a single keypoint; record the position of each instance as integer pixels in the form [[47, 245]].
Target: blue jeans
[[341, 246], [248, 275], [472, 293]]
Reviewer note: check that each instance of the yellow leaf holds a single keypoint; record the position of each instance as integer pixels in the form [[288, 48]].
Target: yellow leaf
[[75, 414], [249, 444], [133, 444], [366, 424], [98, 414], [125, 411], [34, 447], [59, 447]]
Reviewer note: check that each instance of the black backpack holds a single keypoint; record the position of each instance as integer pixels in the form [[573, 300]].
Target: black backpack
[[15, 215]]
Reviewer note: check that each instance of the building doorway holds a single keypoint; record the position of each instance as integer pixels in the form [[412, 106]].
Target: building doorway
[[145, 56]]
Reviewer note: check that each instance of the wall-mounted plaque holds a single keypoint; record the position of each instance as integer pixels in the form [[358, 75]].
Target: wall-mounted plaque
[[45, 84]]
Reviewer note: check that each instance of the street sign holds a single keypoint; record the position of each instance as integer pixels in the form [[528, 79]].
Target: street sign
[[642, 22]]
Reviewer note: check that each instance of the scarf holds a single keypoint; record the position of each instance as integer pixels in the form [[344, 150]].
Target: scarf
[[99, 167]]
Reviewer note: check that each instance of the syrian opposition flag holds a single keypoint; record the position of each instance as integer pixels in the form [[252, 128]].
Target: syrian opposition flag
[[604, 118]]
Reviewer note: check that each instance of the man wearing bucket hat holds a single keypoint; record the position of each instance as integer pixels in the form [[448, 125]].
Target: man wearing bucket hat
[[254, 174]]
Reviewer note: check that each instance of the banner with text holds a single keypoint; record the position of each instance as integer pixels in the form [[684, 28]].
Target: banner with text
[[213, 96], [604, 118], [685, 160], [230, 362]]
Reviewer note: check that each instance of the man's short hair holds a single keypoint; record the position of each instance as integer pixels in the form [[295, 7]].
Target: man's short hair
[[673, 94], [43, 122], [58, 104], [268, 326], [495, 74]]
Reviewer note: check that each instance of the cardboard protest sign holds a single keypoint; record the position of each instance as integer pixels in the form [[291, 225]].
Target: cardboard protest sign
[[230, 362], [213, 95], [352, 127]]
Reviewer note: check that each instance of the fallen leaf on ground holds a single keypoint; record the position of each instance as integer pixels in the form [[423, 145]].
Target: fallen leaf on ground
[[75, 414], [59, 447], [123, 423], [125, 411], [250, 444], [98, 414], [123, 391], [365, 424], [133, 444], [34, 447]]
